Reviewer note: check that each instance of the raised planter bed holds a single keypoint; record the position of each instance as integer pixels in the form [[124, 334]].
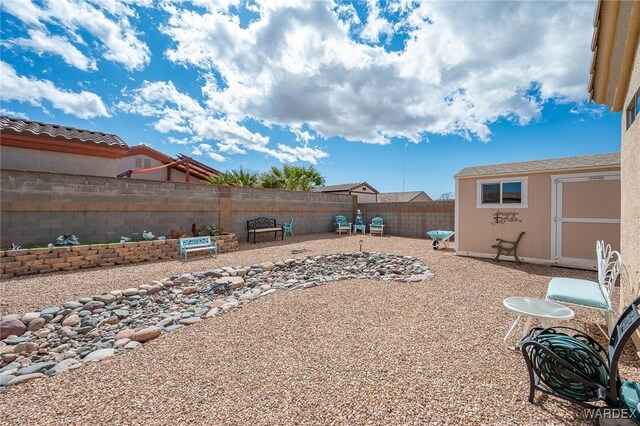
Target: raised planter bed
[[44, 260]]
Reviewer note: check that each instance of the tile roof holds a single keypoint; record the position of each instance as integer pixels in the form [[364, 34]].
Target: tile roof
[[390, 197], [58, 131], [343, 187], [565, 163]]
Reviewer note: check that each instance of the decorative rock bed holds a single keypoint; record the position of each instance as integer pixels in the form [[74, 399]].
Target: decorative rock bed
[[62, 338]]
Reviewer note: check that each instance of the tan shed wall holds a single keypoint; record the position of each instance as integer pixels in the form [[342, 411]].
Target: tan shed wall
[[630, 229], [476, 233]]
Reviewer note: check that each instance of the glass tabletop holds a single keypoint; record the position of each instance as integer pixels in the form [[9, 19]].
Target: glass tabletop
[[538, 308]]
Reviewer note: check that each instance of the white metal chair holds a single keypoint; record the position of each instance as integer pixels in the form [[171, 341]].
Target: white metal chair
[[590, 294]]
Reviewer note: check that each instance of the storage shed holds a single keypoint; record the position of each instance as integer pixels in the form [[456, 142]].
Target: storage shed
[[563, 205]]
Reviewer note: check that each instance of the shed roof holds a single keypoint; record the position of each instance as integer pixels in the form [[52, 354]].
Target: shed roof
[[524, 167], [57, 131], [343, 187], [406, 196]]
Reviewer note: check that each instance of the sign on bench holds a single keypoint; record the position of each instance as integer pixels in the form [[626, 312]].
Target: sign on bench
[[263, 225], [188, 245]]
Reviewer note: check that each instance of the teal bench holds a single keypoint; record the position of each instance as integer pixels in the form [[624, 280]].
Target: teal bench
[[189, 245]]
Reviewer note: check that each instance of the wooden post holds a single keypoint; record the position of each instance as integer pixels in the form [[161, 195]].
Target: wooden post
[[168, 174], [186, 168]]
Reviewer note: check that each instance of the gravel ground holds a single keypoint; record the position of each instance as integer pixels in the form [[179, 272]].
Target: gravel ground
[[350, 352]]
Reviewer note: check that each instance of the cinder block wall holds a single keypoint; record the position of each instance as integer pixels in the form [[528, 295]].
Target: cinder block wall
[[312, 211], [411, 219], [38, 207]]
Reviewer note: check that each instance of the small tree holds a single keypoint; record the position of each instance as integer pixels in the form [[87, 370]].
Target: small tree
[[238, 177], [446, 196]]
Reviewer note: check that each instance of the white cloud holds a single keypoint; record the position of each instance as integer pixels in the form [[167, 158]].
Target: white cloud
[[206, 149], [462, 67], [177, 112], [23, 89], [42, 42], [107, 21], [9, 113], [376, 25]]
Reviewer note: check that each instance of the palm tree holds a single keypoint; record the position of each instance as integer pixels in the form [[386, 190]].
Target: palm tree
[[292, 177], [238, 177]]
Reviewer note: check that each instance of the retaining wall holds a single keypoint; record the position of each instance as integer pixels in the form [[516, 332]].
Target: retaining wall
[[55, 259]]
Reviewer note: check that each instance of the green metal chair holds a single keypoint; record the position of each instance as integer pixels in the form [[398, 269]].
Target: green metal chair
[[377, 226], [287, 228]]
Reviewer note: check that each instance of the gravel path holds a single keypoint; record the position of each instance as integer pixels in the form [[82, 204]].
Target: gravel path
[[350, 352]]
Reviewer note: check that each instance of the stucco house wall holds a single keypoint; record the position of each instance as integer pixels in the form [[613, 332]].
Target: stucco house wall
[[476, 233], [630, 231], [16, 158]]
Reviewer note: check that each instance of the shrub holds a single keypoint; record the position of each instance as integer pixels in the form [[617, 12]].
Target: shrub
[[176, 233], [210, 230]]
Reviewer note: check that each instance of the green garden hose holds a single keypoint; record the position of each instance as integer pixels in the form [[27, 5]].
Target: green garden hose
[[584, 359]]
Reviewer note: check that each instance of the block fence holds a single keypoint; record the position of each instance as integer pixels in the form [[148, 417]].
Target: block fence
[[38, 207], [44, 260], [411, 219]]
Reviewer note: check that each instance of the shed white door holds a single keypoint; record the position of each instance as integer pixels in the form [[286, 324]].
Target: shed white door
[[585, 208]]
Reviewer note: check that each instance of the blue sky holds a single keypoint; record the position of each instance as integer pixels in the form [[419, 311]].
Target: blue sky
[[367, 91]]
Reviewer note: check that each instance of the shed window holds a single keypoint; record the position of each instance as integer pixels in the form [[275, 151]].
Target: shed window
[[497, 192]]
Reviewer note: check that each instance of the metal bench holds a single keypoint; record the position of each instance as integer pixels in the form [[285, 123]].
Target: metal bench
[[263, 225], [188, 245], [509, 248]]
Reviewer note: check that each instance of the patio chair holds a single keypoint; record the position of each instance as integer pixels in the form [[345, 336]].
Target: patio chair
[[578, 369], [509, 248], [591, 294], [342, 224], [287, 227], [377, 226]]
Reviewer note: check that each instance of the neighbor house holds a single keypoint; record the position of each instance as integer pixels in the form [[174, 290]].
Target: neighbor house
[[563, 205], [364, 192], [403, 197], [43, 147], [615, 82], [144, 162]]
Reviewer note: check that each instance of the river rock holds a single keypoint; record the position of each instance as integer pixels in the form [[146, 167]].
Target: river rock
[[63, 366], [188, 290], [130, 291], [234, 282], [25, 347], [35, 368], [11, 326], [147, 334], [105, 298], [99, 355], [29, 316], [71, 321], [127, 333], [36, 324], [25, 378], [92, 305]]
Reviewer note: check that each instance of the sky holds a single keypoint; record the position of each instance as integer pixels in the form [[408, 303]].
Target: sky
[[400, 94]]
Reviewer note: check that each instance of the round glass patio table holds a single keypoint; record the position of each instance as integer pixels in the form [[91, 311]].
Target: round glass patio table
[[530, 308]]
